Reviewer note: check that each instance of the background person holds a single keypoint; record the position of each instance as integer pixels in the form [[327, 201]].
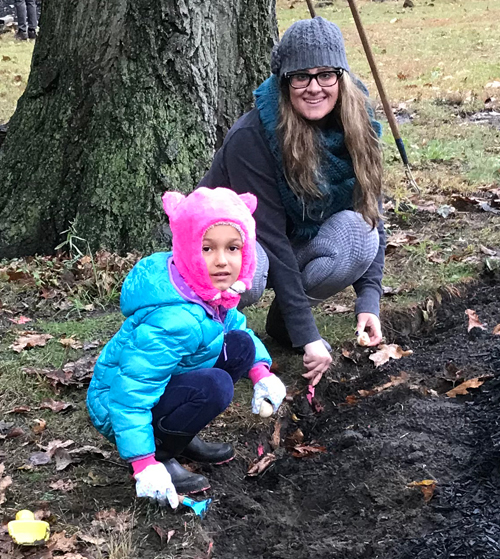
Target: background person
[[27, 19], [310, 152]]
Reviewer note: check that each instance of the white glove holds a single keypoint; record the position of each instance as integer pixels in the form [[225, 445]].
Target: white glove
[[268, 388], [155, 482]]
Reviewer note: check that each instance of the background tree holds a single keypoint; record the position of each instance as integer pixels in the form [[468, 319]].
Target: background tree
[[125, 99]]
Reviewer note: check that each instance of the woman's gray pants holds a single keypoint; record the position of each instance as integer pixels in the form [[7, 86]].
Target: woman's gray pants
[[26, 15], [340, 254]]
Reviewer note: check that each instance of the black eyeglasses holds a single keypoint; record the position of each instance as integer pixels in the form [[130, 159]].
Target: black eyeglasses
[[301, 80]]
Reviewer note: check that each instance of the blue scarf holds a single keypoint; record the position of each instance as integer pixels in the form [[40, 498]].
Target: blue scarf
[[337, 171]]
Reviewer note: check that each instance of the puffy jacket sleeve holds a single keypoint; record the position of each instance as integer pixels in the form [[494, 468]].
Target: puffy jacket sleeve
[[147, 361], [238, 321]]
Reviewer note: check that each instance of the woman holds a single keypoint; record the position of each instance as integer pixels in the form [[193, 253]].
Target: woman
[[310, 152]]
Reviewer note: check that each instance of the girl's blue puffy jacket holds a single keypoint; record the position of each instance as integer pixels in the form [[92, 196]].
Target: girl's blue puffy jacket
[[163, 335]]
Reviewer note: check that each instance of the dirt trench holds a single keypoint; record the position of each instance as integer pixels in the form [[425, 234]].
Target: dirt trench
[[353, 501]]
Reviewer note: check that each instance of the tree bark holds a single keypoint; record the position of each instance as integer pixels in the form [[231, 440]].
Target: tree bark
[[125, 99]]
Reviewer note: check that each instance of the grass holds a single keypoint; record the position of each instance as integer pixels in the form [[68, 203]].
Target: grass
[[15, 61]]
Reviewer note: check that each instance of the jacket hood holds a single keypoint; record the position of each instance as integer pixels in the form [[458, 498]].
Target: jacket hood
[[190, 217], [148, 284]]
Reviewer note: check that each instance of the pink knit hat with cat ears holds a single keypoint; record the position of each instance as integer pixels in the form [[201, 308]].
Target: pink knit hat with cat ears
[[190, 217]]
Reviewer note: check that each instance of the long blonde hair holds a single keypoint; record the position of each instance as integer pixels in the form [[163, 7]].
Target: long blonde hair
[[301, 150]]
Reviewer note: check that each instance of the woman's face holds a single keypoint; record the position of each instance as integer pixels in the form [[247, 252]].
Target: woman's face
[[314, 102]]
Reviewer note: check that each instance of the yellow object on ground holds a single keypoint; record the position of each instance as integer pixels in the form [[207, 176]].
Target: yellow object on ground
[[25, 530]]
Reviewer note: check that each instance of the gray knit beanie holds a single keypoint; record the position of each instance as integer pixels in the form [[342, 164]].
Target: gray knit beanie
[[309, 43]]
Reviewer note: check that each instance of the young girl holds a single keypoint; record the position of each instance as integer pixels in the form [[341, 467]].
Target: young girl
[[172, 366]]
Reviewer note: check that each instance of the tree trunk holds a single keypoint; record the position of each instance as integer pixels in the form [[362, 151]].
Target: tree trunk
[[126, 99]]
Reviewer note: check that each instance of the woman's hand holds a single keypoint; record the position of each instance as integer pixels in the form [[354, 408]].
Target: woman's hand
[[370, 323], [317, 359]]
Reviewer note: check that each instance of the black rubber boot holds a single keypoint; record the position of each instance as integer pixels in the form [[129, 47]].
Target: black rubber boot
[[168, 447], [185, 482], [208, 453]]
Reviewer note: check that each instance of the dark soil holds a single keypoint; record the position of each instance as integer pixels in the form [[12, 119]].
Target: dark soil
[[354, 500]]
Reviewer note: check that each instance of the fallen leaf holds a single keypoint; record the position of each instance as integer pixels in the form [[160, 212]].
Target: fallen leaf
[[91, 345], [335, 309], [474, 321], [427, 487], [496, 330], [260, 465], [54, 405], [163, 533], [14, 432], [395, 381], [401, 238], [388, 351], [306, 451], [110, 520], [487, 251], [62, 485], [19, 409], [351, 400], [260, 450], [462, 388], [59, 542], [276, 438], [5, 481], [295, 439], [40, 426], [20, 320], [94, 540], [29, 341], [71, 343], [310, 394], [63, 459]]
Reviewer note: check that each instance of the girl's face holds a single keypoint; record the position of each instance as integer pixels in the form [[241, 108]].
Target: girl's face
[[221, 250], [314, 102]]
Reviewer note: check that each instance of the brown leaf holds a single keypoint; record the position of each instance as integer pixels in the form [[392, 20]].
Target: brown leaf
[[306, 451], [54, 405], [487, 251], [295, 439], [332, 308], [40, 426], [14, 432], [261, 464], [62, 485], [63, 459], [29, 341], [110, 520], [474, 321], [351, 400], [71, 343], [19, 409], [395, 381], [5, 481], [59, 542], [276, 438], [496, 330], [427, 487], [98, 542], [462, 388], [163, 533], [388, 351], [401, 238]]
